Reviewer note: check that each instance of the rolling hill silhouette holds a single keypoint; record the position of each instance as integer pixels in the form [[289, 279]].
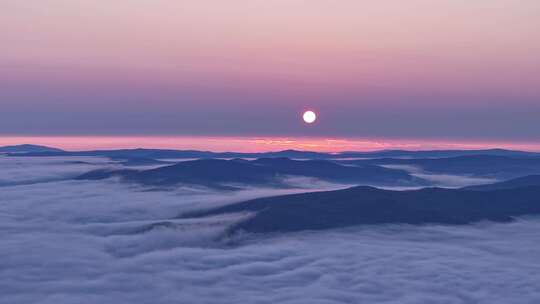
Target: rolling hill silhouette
[[26, 148], [268, 172], [368, 205], [167, 153]]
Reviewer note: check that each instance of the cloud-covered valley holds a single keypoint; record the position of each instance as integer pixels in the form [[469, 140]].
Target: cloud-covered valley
[[66, 241]]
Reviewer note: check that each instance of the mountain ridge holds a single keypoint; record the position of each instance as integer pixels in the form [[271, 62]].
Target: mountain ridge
[[29, 148], [264, 171], [172, 153], [367, 205]]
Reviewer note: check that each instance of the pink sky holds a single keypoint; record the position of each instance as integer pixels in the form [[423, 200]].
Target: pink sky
[[445, 44], [414, 69]]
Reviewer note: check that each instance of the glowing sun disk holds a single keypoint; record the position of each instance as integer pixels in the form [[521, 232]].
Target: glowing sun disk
[[309, 117]]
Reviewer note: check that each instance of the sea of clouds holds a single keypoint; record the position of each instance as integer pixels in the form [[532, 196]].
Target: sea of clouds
[[443, 180], [66, 241]]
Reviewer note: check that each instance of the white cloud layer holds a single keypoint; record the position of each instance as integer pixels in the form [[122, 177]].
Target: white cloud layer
[[30, 170], [106, 242], [443, 180]]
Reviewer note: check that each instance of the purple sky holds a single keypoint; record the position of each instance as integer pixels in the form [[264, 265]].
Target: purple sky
[[443, 69]]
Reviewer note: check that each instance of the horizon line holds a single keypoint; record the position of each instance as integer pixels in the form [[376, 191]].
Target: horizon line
[[258, 144]]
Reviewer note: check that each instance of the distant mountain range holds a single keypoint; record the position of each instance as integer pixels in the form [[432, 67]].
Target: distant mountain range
[[334, 209], [219, 173], [183, 154], [400, 167], [366, 205], [29, 149]]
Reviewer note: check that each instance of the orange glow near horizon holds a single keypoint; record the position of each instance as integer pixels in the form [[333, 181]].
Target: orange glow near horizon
[[254, 144]]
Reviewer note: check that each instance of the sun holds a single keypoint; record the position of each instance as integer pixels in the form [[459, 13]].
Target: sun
[[310, 117]]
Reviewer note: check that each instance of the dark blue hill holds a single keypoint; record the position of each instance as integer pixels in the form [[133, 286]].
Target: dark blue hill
[[29, 149], [165, 153], [367, 205], [271, 172]]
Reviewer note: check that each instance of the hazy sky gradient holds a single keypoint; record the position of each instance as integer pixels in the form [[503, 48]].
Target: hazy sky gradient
[[445, 69]]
